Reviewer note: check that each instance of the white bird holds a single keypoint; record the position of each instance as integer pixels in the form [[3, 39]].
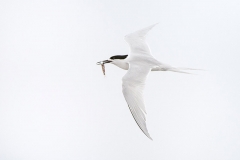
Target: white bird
[[138, 63]]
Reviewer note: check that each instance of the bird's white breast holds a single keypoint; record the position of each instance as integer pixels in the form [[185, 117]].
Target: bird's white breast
[[121, 64]]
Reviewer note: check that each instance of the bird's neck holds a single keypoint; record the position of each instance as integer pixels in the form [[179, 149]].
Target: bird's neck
[[121, 64]]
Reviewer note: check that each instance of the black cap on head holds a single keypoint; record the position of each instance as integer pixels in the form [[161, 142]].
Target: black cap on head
[[119, 57]]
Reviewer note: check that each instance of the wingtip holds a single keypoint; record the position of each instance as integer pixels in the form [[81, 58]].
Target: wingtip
[[148, 135], [153, 25], [156, 24], [141, 33], [150, 138]]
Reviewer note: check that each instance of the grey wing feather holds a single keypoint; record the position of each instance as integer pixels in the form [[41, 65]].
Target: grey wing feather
[[136, 41], [133, 85]]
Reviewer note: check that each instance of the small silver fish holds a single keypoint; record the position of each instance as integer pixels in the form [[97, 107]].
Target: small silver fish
[[103, 69], [102, 65]]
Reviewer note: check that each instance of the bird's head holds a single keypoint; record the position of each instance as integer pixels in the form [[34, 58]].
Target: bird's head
[[113, 59], [117, 60]]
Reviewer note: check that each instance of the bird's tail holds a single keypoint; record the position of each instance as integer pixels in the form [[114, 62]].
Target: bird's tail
[[183, 70], [179, 70]]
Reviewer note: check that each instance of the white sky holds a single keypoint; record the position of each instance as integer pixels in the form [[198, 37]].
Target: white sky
[[55, 104]]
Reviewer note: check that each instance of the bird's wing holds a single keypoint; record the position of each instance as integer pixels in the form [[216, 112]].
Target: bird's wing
[[132, 87], [137, 43]]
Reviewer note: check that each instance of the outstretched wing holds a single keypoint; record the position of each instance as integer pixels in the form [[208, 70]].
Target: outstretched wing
[[132, 88], [137, 43]]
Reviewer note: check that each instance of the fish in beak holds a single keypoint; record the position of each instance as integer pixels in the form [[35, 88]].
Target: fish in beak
[[102, 64]]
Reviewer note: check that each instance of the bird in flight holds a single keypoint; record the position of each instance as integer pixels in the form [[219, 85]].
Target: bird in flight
[[139, 63]]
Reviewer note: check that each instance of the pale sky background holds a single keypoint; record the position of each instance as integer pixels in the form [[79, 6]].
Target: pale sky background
[[55, 104]]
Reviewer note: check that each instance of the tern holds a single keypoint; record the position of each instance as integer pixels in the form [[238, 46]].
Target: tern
[[139, 63]]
